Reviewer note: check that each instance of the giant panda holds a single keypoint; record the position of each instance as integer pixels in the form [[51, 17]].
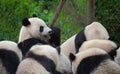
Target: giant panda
[[64, 62], [41, 59], [10, 57], [34, 31], [28, 43], [93, 31], [109, 46], [93, 61], [34, 27]]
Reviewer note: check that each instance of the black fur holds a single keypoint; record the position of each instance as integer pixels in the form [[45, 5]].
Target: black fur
[[87, 65], [48, 64], [113, 53], [2, 39], [55, 36], [25, 22], [58, 49], [79, 39], [72, 57], [34, 15], [20, 45], [41, 28], [57, 72], [10, 60], [28, 43]]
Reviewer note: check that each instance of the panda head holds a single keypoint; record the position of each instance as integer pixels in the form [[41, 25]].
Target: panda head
[[36, 28], [86, 61]]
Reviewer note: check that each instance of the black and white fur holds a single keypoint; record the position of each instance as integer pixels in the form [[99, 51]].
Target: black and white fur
[[34, 27], [64, 62], [41, 59], [10, 57], [93, 61], [28, 43], [93, 31], [109, 46], [117, 58]]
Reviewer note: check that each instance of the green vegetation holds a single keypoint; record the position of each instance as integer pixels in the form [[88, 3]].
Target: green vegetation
[[108, 13], [13, 11]]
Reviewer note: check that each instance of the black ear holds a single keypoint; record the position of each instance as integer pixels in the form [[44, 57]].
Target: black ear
[[2, 39], [25, 22], [58, 49], [72, 57], [34, 15], [20, 45]]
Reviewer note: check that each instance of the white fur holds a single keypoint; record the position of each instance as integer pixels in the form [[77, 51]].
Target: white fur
[[46, 50], [117, 58], [32, 30], [64, 64], [96, 31], [68, 46], [106, 45], [30, 66], [92, 31], [106, 67], [81, 55], [12, 46]]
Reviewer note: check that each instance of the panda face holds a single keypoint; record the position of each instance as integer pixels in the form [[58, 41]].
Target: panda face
[[37, 28]]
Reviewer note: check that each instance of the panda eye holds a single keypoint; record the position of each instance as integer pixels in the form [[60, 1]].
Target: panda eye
[[41, 28]]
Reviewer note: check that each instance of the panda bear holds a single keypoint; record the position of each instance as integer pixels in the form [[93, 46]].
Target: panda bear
[[93, 61], [41, 59], [28, 43], [64, 62], [109, 46], [53, 41], [10, 57], [93, 31], [34, 31], [34, 27]]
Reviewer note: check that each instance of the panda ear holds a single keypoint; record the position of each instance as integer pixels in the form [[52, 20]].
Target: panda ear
[[58, 49], [72, 57], [25, 22], [34, 15], [2, 39], [19, 45]]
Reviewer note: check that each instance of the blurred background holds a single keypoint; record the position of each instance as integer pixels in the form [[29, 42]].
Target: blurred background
[[74, 16]]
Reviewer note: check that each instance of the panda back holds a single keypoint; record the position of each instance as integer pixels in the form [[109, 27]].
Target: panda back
[[46, 62], [9, 61], [107, 67], [31, 66], [87, 65]]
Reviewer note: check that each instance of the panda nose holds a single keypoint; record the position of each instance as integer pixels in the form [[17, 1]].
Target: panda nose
[[50, 32]]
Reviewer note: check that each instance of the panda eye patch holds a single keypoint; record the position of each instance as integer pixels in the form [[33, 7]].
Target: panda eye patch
[[41, 28]]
